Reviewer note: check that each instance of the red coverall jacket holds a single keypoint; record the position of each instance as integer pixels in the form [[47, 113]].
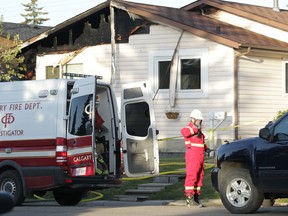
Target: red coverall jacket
[[194, 157]]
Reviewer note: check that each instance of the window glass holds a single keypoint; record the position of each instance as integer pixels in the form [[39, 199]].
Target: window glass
[[137, 119], [190, 74], [164, 74], [132, 93], [281, 130], [79, 120], [74, 68], [190, 70], [52, 72]]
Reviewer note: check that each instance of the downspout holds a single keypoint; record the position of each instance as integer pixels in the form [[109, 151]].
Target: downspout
[[113, 43], [236, 92], [173, 73]]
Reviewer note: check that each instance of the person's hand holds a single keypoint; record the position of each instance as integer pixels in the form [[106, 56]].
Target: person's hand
[[208, 150]]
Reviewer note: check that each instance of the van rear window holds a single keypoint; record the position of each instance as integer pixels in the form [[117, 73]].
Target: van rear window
[[79, 119], [137, 119]]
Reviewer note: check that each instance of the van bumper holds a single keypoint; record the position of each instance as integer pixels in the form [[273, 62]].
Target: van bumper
[[93, 182]]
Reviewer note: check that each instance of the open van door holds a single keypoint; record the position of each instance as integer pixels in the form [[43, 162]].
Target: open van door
[[81, 153], [139, 142]]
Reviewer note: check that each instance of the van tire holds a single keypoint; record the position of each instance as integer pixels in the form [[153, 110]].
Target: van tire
[[10, 181], [67, 198], [237, 192]]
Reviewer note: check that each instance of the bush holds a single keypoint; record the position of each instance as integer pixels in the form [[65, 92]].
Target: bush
[[279, 114]]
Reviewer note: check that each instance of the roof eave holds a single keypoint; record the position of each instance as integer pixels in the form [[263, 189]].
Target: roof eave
[[228, 9], [267, 48], [165, 21]]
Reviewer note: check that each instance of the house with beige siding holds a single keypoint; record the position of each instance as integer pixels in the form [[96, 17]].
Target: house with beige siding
[[227, 59]]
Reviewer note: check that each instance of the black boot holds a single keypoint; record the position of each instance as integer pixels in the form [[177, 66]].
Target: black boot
[[197, 202]]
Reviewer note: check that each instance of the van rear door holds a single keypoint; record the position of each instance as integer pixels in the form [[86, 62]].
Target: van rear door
[[80, 132], [139, 143]]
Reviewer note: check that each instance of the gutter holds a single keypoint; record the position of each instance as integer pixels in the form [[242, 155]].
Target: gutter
[[236, 91]]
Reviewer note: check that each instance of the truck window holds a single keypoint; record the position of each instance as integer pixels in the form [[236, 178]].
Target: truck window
[[137, 119], [281, 130], [80, 123]]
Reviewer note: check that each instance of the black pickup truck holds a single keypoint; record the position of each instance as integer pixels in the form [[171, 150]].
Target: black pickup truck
[[250, 171]]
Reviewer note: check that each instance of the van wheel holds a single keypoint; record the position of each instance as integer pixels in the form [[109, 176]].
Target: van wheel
[[238, 194], [65, 198], [11, 183]]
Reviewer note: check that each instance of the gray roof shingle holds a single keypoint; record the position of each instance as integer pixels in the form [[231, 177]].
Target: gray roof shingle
[[24, 31]]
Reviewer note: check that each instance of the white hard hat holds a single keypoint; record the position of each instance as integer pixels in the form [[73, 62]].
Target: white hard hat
[[196, 114]]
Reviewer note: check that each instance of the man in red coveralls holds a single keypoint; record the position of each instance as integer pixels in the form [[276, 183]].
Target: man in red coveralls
[[194, 158]]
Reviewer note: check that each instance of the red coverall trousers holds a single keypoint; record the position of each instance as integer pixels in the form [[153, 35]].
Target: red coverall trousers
[[194, 158]]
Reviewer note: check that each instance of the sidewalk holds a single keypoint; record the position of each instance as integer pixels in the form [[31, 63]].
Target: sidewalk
[[207, 203], [210, 202]]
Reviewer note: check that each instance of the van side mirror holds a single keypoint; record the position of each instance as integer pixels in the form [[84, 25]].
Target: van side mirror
[[264, 133]]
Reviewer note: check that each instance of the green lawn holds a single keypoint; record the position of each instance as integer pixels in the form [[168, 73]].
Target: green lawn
[[171, 165], [173, 192]]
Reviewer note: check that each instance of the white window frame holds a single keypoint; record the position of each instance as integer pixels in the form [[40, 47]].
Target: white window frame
[[166, 55], [65, 69]]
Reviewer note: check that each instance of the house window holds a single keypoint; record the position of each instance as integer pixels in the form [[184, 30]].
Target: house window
[[164, 74], [74, 68], [192, 77], [190, 74], [52, 72]]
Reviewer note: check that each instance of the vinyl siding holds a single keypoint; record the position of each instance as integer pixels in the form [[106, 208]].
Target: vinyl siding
[[261, 93], [133, 65]]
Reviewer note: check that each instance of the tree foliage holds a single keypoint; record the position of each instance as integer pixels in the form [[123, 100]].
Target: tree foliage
[[33, 15], [11, 64], [279, 114]]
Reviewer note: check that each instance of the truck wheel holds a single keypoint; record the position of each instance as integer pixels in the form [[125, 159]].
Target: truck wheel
[[65, 198], [238, 194], [11, 183]]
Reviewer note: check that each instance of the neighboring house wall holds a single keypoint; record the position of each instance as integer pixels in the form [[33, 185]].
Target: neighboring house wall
[[96, 60], [136, 61], [261, 93]]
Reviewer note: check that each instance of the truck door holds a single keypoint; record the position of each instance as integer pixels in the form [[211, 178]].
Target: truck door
[[272, 160], [139, 143], [80, 130]]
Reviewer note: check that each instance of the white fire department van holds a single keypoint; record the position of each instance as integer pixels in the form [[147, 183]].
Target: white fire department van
[[63, 135]]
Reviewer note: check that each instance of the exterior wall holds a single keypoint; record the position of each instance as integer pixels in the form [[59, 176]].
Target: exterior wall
[[261, 93], [96, 61], [252, 26], [220, 81], [134, 62]]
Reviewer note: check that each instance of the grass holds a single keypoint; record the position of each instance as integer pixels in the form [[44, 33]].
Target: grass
[[168, 165], [173, 192]]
